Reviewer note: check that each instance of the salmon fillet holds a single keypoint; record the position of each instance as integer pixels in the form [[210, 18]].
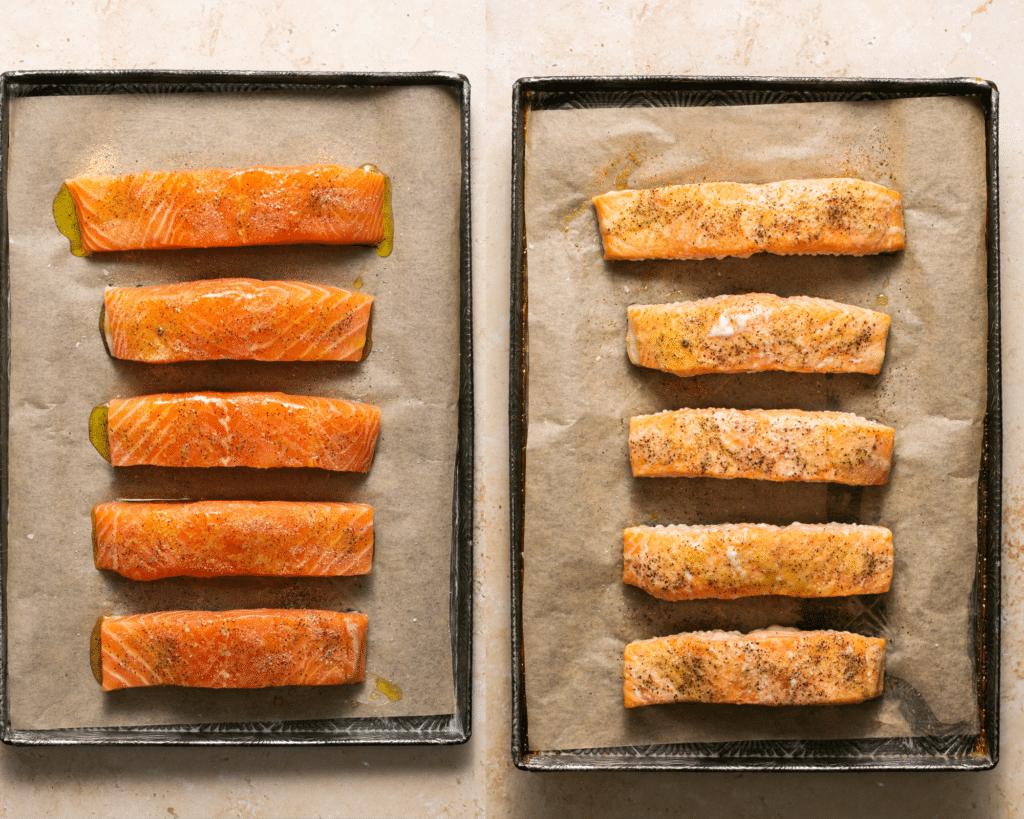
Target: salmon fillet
[[235, 319], [719, 219], [147, 541], [775, 666], [681, 562], [755, 332], [256, 429], [216, 207], [230, 649], [771, 445]]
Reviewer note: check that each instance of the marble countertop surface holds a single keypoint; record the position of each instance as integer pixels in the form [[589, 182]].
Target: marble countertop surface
[[494, 44]]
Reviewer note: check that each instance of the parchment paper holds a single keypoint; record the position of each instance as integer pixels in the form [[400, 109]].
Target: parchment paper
[[578, 615], [60, 370]]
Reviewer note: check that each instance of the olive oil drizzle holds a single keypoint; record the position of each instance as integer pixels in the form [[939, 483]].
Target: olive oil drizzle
[[96, 651], [98, 431], [388, 242], [388, 689], [66, 217]]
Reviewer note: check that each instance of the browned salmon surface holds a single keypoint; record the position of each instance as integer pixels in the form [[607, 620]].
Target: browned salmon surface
[[239, 319], [771, 445], [218, 207], [255, 429], [755, 332], [733, 560], [719, 219], [147, 541], [767, 667], [232, 649]]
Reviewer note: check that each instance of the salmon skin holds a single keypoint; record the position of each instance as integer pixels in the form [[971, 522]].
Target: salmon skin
[[719, 219], [216, 207], [775, 666], [756, 332], [240, 319], [256, 429], [148, 541], [770, 445], [681, 562], [254, 648]]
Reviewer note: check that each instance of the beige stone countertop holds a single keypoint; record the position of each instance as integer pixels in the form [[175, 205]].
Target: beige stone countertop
[[494, 44]]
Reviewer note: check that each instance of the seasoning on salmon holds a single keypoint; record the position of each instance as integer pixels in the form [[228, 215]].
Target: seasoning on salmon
[[733, 560], [241, 319], [770, 445], [719, 219], [150, 540], [231, 649], [755, 332], [256, 429], [215, 207], [773, 666]]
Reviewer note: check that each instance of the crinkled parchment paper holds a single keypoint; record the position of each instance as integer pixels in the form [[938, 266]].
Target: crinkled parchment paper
[[60, 370], [578, 615]]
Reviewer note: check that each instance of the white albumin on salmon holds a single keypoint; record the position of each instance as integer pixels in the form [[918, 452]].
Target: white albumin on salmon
[[731, 560], [755, 332], [772, 445], [775, 666], [719, 219]]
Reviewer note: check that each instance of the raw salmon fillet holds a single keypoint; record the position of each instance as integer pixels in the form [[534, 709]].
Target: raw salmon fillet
[[231, 649], [755, 332], [216, 207], [257, 429], [775, 666], [733, 560], [770, 445], [147, 541], [235, 319], [719, 219]]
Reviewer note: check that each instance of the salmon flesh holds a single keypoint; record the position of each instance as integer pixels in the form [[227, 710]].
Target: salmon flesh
[[240, 319], [771, 445], [216, 207], [775, 666], [727, 561], [755, 332], [148, 541], [256, 429], [231, 649], [719, 219]]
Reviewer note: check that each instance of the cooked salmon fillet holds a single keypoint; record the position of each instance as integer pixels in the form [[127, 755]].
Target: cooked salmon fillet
[[217, 207], [755, 332], [774, 666], [771, 445], [240, 319], [231, 649], [147, 541], [257, 429], [733, 560], [719, 219]]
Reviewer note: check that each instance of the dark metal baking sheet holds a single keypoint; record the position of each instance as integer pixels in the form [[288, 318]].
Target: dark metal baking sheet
[[436, 729], [960, 752]]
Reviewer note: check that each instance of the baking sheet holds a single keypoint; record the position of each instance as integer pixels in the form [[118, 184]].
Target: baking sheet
[[579, 493], [59, 370]]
